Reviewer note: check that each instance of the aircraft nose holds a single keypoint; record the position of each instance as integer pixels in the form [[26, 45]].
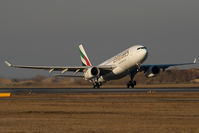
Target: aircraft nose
[[145, 53]]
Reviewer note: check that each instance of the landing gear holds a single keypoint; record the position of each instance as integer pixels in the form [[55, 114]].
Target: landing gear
[[131, 84], [97, 84]]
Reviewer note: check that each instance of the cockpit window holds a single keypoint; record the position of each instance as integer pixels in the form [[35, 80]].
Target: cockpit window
[[141, 48]]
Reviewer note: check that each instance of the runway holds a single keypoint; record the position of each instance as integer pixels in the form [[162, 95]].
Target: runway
[[80, 109], [87, 90]]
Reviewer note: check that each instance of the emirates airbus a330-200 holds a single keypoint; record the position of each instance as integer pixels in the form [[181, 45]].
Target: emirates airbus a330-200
[[129, 62]]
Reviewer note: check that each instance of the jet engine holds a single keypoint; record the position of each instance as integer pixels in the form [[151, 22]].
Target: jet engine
[[92, 72], [152, 71]]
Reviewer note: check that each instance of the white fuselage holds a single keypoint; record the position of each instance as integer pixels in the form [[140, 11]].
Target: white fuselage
[[125, 62]]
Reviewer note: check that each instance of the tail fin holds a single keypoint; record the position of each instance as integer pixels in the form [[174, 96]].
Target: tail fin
[[84, 58]]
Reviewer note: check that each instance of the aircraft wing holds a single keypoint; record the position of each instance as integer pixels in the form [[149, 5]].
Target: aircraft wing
[[63, 69], [165, 66]]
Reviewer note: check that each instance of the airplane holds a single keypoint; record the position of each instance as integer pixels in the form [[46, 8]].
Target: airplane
[[129, 62]]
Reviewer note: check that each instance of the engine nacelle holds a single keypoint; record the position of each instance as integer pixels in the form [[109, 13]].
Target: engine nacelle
[[92, 72], [152, 71]]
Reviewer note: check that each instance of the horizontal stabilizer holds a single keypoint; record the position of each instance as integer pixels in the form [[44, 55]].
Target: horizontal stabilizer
[[73, 76]]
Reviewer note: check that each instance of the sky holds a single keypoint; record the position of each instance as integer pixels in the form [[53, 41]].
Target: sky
[[48, 32]]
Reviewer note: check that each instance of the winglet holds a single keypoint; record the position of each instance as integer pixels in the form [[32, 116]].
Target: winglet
[[195, 60], [8, 64]]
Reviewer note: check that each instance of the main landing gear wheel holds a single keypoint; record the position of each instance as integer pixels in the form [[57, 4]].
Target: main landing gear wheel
[[131, 84], [96, 85]]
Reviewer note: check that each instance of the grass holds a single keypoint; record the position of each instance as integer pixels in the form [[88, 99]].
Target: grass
[[100, 113]]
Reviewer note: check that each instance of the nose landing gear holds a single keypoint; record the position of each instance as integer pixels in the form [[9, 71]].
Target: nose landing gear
[[97, 84], [131, 84]]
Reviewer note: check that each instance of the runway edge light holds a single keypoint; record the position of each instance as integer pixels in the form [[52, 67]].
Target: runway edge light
[[5, 94]]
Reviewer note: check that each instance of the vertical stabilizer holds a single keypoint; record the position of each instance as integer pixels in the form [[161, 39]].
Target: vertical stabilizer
[[84, 58]]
